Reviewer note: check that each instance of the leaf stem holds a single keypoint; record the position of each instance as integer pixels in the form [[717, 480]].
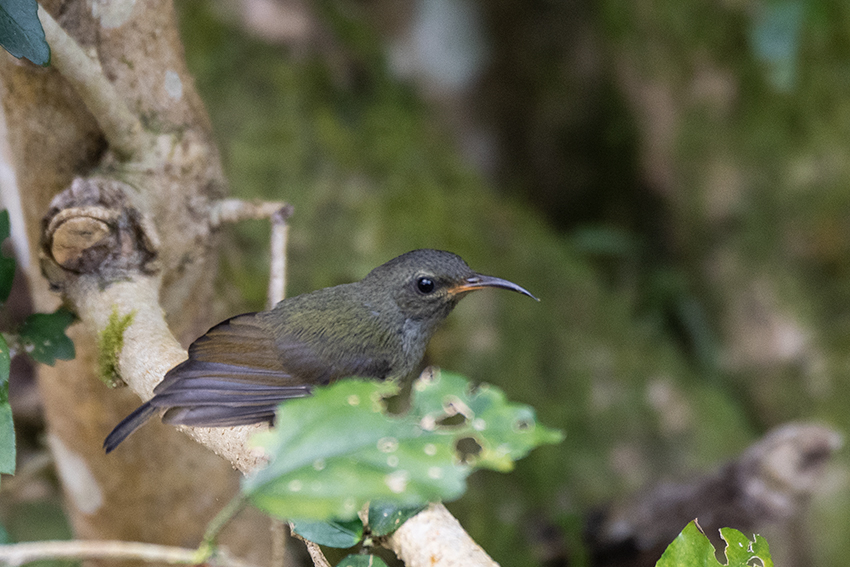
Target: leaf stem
[[218, 523]]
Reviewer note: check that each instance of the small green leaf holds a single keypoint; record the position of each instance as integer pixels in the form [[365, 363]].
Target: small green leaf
[[761, 550], [740, 550], [336, 451], [692, 548], [360, 560], [5, 361], [386, 517], [335, 533], [7, 427], [7, 265], [7, 433], [43, 336], [21, 32]]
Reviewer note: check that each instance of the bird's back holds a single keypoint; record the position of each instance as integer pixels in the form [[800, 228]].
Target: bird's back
[[242, 368]]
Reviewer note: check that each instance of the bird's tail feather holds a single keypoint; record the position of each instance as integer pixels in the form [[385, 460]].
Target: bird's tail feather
[[219, 416], [128, 425]]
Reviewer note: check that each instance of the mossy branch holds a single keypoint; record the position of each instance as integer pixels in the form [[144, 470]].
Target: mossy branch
[[110, 341]]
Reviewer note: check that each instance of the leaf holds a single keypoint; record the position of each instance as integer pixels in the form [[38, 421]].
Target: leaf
[[505, 431], [359, 560], [5, 361], [7, 427], [692, 548], [7, 433], [21, 32], [385, 517], [43, 336], [335, 533], [740, 550], [7, 265], [332, 453]]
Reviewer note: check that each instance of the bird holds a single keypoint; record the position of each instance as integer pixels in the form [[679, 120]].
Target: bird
[[377, 328]]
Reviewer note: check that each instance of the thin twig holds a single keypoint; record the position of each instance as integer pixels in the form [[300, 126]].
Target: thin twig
[[235, 210], [21, 553], [222, 519], [277, 268], [319, 559], [316, 554], [120, 126]]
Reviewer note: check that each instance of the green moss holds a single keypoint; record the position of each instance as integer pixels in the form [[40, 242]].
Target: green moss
[[110, 341]]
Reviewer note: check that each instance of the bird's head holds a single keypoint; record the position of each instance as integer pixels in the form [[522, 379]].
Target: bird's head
[[427, 284]]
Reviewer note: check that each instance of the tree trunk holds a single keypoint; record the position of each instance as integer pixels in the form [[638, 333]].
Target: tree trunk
[[52, 136]]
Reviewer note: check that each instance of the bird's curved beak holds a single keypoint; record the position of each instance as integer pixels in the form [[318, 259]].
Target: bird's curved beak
[[480, 281]]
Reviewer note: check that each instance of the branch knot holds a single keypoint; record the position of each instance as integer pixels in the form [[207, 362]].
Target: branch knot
[[93, 228]]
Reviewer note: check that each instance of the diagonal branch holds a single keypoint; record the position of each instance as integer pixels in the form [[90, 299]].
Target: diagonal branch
[[122, 128]]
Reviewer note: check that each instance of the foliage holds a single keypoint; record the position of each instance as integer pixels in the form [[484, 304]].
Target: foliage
[[692, 548], [21, 32], [385, 518], [7, 429], [336, 451], [41, 335], [362, 561], [332, 533], [7, 265]]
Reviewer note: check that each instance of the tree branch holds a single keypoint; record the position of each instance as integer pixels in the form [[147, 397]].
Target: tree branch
[[21, 553], [120, 126], [150, 350], [277, 266], [435, 538]]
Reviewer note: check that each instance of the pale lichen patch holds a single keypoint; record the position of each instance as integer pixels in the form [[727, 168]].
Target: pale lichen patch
[[173, 85]]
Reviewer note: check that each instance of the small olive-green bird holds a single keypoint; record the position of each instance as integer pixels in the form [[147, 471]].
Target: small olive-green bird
[[241, 369]]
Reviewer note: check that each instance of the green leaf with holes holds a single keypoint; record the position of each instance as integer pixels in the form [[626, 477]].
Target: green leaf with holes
[[43, 336], [21, 33], [332, 453], [7, 265], [691, 549]]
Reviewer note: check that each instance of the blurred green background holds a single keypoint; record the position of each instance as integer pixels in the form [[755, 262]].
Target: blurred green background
[[670, 177]]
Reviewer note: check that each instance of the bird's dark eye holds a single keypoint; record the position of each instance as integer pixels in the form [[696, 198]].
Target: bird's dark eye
[[425, 285]]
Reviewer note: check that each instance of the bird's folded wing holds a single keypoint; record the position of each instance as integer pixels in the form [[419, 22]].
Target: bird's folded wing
[[234, 371], [239, 350]]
